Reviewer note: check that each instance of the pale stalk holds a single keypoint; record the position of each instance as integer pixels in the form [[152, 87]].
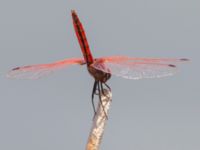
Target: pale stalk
[[99, 122]]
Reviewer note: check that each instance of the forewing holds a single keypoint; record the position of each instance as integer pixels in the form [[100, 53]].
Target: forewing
[[138, 68], [40, 70]]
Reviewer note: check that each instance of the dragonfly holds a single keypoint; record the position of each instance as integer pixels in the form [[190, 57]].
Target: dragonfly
[[101, 69]]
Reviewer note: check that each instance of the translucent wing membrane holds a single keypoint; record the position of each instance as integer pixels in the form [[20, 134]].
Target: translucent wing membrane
[[37, 71], [138, 68]]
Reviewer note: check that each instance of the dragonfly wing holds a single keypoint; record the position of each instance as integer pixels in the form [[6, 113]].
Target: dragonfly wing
[[40, 70], [137, 68]]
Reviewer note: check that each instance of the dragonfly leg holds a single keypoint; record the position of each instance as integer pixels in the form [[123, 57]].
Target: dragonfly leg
[[107, 86], [103, 89], [93, 92], [100, 92]]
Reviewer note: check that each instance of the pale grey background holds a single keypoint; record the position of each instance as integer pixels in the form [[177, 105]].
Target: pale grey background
[[56, 113]]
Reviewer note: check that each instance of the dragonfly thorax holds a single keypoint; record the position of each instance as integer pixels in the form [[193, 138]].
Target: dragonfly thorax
[[98, 74]]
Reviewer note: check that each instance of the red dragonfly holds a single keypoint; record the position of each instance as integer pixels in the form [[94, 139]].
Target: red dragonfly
[[101, 69]]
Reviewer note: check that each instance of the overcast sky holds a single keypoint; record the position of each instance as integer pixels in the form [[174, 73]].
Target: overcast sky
[[56, 112]]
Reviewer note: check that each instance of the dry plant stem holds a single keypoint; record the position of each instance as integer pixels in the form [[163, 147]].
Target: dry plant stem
[[99, 122]]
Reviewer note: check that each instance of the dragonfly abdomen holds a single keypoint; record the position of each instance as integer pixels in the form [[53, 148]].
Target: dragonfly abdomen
[[80, 33]]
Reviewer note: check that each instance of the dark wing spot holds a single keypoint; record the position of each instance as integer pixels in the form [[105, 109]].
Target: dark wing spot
[[184, 59], [171, 65], [17, 68]]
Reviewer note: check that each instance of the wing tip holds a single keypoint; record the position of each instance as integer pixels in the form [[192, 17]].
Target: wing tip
[[12, 73], [8, 75]]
